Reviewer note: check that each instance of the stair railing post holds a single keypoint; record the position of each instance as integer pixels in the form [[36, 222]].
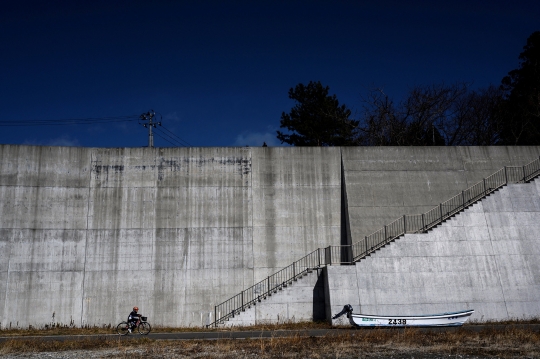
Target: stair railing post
[[440, 210], [385, 233], [366, 245], [294, 270], [423, 223], [523, 169], [463, 199], [404, 224], [215, 316], [319, 256], [242, 307], [328, 255], [268, 284], [505, 176]]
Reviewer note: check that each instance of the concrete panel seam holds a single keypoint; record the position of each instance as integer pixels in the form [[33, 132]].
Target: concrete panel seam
[[86, 239]]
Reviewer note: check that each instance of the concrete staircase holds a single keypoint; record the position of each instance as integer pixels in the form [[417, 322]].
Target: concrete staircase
[[303, 298], [448, 219], [294, 303], [484, 258]]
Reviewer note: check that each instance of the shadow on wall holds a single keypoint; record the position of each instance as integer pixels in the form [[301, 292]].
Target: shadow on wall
[[319, 310]]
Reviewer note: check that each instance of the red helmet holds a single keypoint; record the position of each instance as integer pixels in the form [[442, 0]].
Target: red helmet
[[135, 308]]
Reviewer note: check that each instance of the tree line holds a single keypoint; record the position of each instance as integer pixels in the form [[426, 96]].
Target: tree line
[[429, 115]]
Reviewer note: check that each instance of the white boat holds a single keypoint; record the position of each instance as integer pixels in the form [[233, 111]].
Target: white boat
[[452, 319]]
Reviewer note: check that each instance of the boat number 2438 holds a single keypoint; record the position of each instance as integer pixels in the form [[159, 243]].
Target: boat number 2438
[[397, 321]]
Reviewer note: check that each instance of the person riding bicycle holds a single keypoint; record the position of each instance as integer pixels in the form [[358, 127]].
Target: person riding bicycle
[[133, 318], [134, 322]]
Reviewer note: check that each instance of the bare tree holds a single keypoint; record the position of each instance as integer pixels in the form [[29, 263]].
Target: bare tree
[[434, 115], [481, 117], [382, 125]]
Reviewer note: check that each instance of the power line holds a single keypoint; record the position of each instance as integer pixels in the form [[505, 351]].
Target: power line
[[69, 121], [173, 139], [153, 128], [184, 143], [175, 142]]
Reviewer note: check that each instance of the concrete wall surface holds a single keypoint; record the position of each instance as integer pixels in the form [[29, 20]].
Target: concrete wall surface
[[486, 258], [87, 233], [296, 204]]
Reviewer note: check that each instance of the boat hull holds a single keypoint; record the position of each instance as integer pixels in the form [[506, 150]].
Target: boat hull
[[433, 320]]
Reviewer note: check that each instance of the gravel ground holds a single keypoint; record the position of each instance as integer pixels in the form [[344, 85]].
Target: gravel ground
[[504, 343], [114, 353]]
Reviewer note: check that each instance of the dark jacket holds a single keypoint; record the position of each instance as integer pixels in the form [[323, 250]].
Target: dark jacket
[[133, 316]]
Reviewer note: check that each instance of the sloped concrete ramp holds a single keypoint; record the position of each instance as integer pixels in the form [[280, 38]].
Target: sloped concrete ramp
[[486, 258]]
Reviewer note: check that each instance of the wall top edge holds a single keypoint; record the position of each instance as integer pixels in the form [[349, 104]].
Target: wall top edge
[[293, 148]]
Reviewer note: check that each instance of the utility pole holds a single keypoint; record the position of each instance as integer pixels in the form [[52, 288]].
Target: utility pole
[[149, 116]]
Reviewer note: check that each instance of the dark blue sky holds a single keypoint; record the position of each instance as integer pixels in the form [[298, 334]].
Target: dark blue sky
[[218, 72]]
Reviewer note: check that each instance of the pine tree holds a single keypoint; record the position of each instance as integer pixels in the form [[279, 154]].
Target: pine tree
[[317, 119]]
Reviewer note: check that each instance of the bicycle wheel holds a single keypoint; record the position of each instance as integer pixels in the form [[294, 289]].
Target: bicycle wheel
[[144, 328], [122, 328]]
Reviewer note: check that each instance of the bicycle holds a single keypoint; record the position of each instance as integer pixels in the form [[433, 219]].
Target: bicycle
[[142, 326]]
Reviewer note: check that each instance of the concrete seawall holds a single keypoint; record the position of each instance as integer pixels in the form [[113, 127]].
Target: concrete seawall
[[86, 233], [485, 258]]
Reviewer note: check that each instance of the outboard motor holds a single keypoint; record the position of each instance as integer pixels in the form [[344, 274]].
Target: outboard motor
[[347, 309]]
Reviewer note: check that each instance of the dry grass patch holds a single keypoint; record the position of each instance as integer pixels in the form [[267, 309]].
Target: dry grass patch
[[279, 326], [363, 343], [110, 329], [40, 345], [510, 342]]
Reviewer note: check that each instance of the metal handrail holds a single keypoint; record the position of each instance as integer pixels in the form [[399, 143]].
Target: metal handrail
[[418, 223], [279, 280]]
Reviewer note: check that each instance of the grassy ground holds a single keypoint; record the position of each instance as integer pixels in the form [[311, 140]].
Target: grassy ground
[[108, 329], [510, 342]]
